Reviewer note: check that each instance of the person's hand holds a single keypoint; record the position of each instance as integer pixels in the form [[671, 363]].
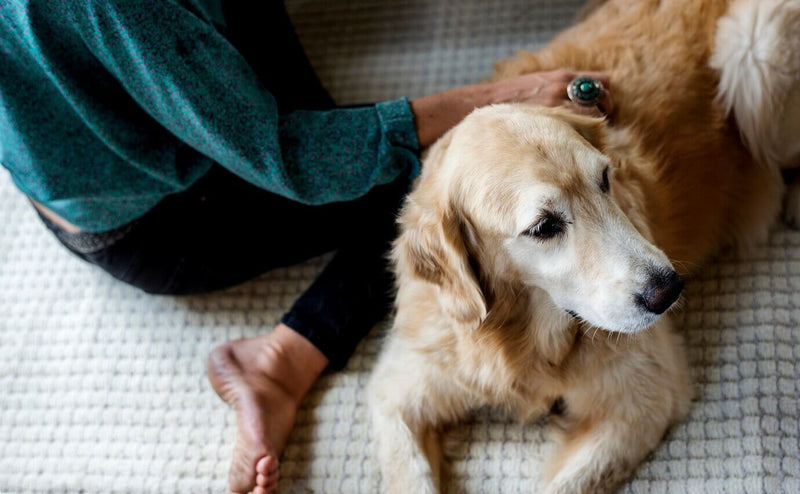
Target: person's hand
[[437, 113], [550, 89]]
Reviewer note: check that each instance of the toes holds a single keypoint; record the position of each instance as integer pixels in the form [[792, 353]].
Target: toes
[[266, 475], [272, 484], [266, 489], [243, 479], [263, 463], [267, 465], [265, 480]]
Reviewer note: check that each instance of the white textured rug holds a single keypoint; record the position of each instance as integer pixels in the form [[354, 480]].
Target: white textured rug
[[102, 388]]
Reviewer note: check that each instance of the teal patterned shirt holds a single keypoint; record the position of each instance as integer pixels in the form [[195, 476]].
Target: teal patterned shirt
[[108, 106]]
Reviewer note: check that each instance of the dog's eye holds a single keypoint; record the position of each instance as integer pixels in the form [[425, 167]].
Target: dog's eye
[[605, 186], [548, 226]]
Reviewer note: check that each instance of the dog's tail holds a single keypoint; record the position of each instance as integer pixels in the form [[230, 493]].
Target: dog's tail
[[757, 53]]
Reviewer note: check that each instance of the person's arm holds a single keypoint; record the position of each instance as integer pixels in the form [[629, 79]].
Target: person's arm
[[183, 73], [435, 114], [186, 76]]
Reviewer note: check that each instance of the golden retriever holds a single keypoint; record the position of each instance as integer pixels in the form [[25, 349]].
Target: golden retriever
[[534, 237]]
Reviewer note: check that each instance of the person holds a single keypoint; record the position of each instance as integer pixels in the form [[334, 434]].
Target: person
[[186, 146]]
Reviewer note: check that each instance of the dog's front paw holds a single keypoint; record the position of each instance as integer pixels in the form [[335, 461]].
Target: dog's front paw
[[791, 205]]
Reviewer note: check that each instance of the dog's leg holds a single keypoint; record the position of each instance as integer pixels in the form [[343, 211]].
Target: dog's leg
[[618, 412], [597, 455], [410, 398], [404, 451]]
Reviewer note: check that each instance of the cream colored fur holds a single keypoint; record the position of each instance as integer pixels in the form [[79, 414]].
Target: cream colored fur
[[757, 52], [482, 304]]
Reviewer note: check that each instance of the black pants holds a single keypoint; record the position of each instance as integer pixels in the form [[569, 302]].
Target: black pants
[[223, 230]]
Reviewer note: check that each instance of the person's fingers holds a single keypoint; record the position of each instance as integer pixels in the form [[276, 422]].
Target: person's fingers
[[591, 111], [561, 76], [564, 76], [550, 89], [606, 102], [600, 76]]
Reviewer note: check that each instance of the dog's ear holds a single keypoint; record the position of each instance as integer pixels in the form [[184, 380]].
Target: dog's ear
[[431, 246], [593, 129]]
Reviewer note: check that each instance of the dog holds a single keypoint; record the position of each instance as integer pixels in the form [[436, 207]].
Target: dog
[[534, 238]]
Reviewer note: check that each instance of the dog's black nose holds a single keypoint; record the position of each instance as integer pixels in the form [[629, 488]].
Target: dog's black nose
[[663, 290]]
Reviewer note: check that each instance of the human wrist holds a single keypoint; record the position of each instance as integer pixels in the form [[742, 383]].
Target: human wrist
[[505, 91], [435, 114]]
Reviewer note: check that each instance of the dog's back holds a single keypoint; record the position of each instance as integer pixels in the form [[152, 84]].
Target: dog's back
[[671, 133]]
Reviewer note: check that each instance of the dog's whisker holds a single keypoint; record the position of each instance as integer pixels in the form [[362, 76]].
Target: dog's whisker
[[687, 265]]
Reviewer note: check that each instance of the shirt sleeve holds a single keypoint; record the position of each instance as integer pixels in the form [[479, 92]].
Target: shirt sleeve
[[188, 77]]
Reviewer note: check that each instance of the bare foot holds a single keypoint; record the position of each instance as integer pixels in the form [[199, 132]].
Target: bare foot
[[265, 380]]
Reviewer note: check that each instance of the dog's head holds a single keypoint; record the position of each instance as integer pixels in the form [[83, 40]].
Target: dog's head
[[522, 194]]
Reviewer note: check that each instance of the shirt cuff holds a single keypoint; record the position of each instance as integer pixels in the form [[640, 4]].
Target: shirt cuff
[[397, 124]]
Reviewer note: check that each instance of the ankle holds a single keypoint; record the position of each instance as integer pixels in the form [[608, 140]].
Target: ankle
[[292, 360]]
